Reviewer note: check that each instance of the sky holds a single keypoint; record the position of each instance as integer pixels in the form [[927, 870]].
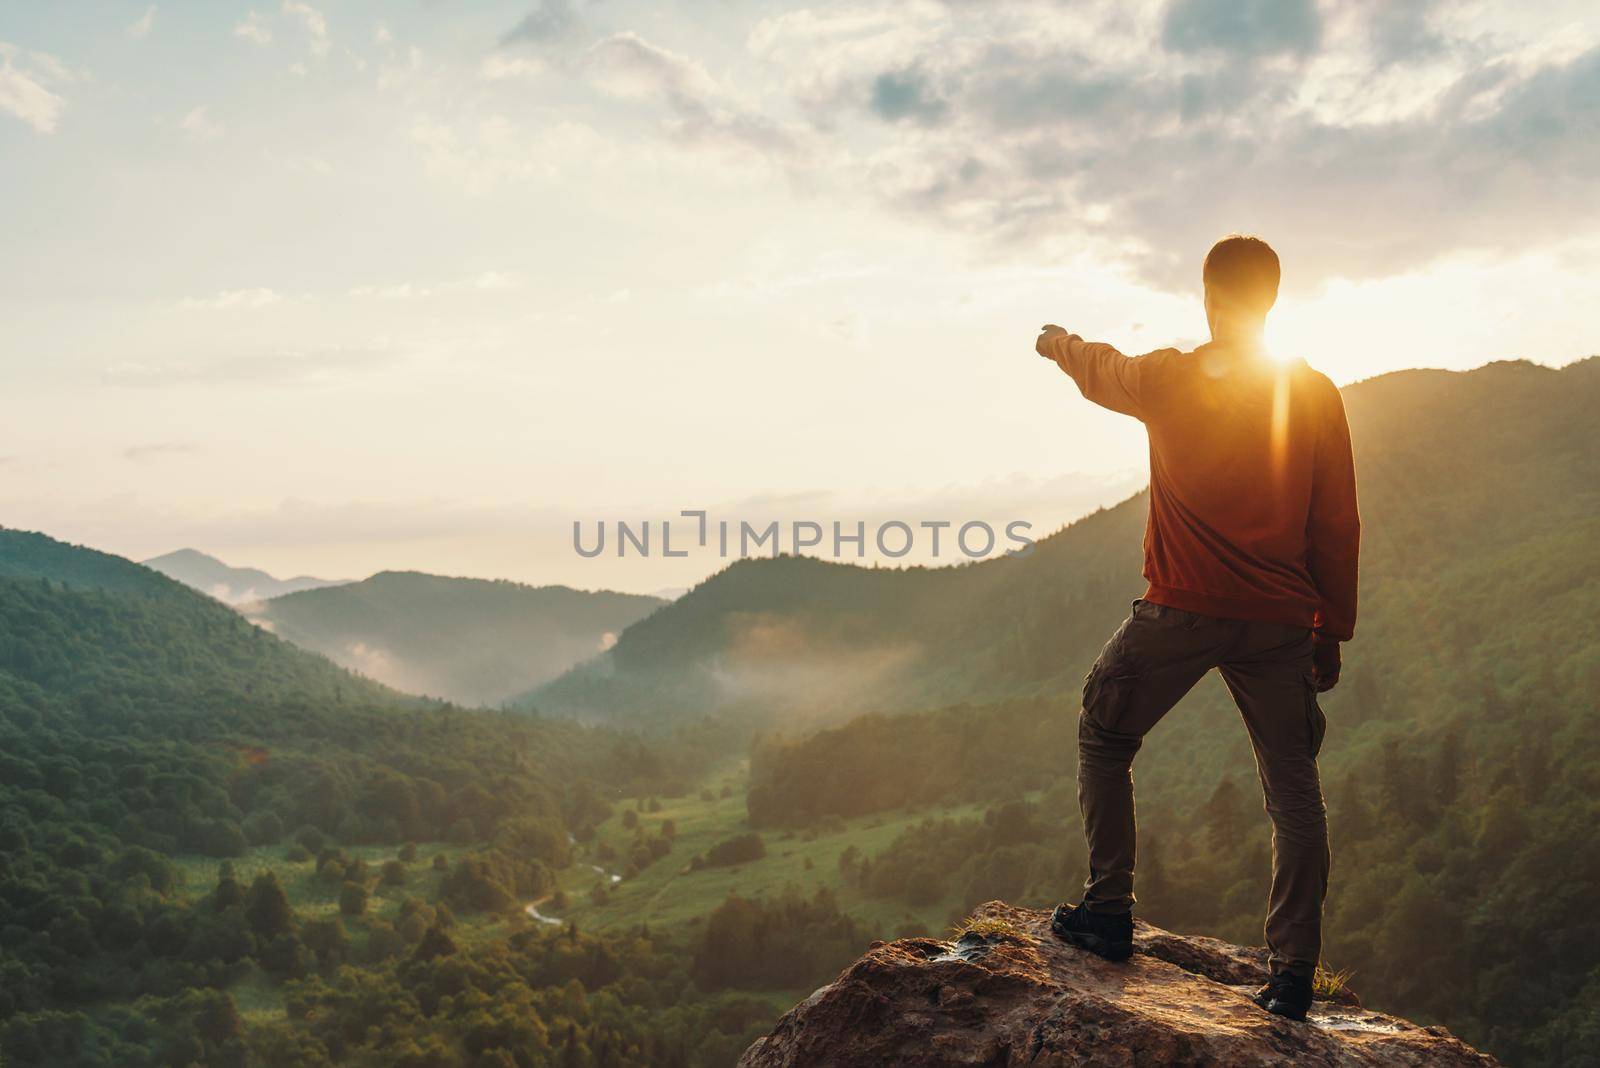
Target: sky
[[333, 287]]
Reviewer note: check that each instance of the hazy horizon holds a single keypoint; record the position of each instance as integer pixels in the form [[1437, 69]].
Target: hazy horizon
[[372, 288]]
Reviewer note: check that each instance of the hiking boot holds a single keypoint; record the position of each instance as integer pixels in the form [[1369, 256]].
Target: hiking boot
[[1105, 935], [1285, 995]]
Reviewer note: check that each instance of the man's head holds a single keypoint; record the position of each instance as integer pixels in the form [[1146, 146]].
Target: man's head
[[1241, 276]]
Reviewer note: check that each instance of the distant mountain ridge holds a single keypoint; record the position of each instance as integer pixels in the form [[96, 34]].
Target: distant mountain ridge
[[1457, 470], [473, 641], [228, 584]]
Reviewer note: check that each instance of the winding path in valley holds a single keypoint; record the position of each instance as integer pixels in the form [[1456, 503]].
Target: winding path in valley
[[532, 907]]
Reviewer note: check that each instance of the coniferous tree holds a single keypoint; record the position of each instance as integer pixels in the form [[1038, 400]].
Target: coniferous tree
[[229, 892], [267, 907]]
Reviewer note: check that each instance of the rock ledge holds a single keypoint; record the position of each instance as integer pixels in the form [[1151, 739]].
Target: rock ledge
[[1016, 996]]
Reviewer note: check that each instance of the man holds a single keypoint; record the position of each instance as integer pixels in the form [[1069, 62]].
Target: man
[[1250, 552]]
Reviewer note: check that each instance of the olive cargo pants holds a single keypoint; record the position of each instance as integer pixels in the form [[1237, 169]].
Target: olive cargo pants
[[1156, 657]]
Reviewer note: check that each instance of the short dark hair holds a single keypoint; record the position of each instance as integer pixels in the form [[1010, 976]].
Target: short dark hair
[[1244, 272]]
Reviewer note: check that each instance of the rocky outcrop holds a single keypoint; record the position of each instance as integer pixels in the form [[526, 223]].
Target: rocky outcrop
[[1008, 994]]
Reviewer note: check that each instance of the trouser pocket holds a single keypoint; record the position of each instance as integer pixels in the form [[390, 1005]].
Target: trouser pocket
[[1106, 695]]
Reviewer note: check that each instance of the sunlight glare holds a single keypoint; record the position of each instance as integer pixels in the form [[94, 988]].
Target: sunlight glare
[[1272, 337]]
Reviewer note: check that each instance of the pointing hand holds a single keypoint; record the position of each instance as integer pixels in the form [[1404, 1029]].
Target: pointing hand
[[1050, 341]]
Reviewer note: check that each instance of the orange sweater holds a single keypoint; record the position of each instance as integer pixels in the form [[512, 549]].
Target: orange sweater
[[1252, 485]]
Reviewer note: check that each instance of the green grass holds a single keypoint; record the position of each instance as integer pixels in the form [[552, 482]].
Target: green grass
[[1328, 983], [664, 892], [258, 998], [667, 893], [991, 925], [313, 897]]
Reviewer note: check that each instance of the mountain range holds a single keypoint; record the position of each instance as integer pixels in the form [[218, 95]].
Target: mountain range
[[230, 585], [471, 641]]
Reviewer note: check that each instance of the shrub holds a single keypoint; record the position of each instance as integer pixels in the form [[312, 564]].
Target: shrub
[[352, 899], [263, 828], [736, 850]]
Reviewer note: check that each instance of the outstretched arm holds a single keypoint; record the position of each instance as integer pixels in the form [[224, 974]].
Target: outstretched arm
[[1103, 374]]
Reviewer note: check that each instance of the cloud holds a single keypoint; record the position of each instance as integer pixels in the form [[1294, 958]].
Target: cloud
[[1242, 27], [25, 79], [549, 20], [1366, 140], [1372, 199], [483, 155], [501, 66], [1399, 31], [494, 280], [481, 282], [253, 28], [628, 65], [699, 111], [398, 291], [286, 367], [703, 111], [258, 297], [787, 276], [197, 124], [156, 450], [315, 22], [906, 94], [889, 60], [141, 27]]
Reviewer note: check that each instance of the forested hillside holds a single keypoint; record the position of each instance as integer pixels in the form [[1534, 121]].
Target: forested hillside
[[469, 640], [26, 554], [110, 634], [1459, 472], [193, 812]]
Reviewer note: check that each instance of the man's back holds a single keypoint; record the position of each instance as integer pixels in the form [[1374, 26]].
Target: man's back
[[1252, 488]]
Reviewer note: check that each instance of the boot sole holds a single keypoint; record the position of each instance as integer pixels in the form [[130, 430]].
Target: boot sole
[[1100, 947]]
